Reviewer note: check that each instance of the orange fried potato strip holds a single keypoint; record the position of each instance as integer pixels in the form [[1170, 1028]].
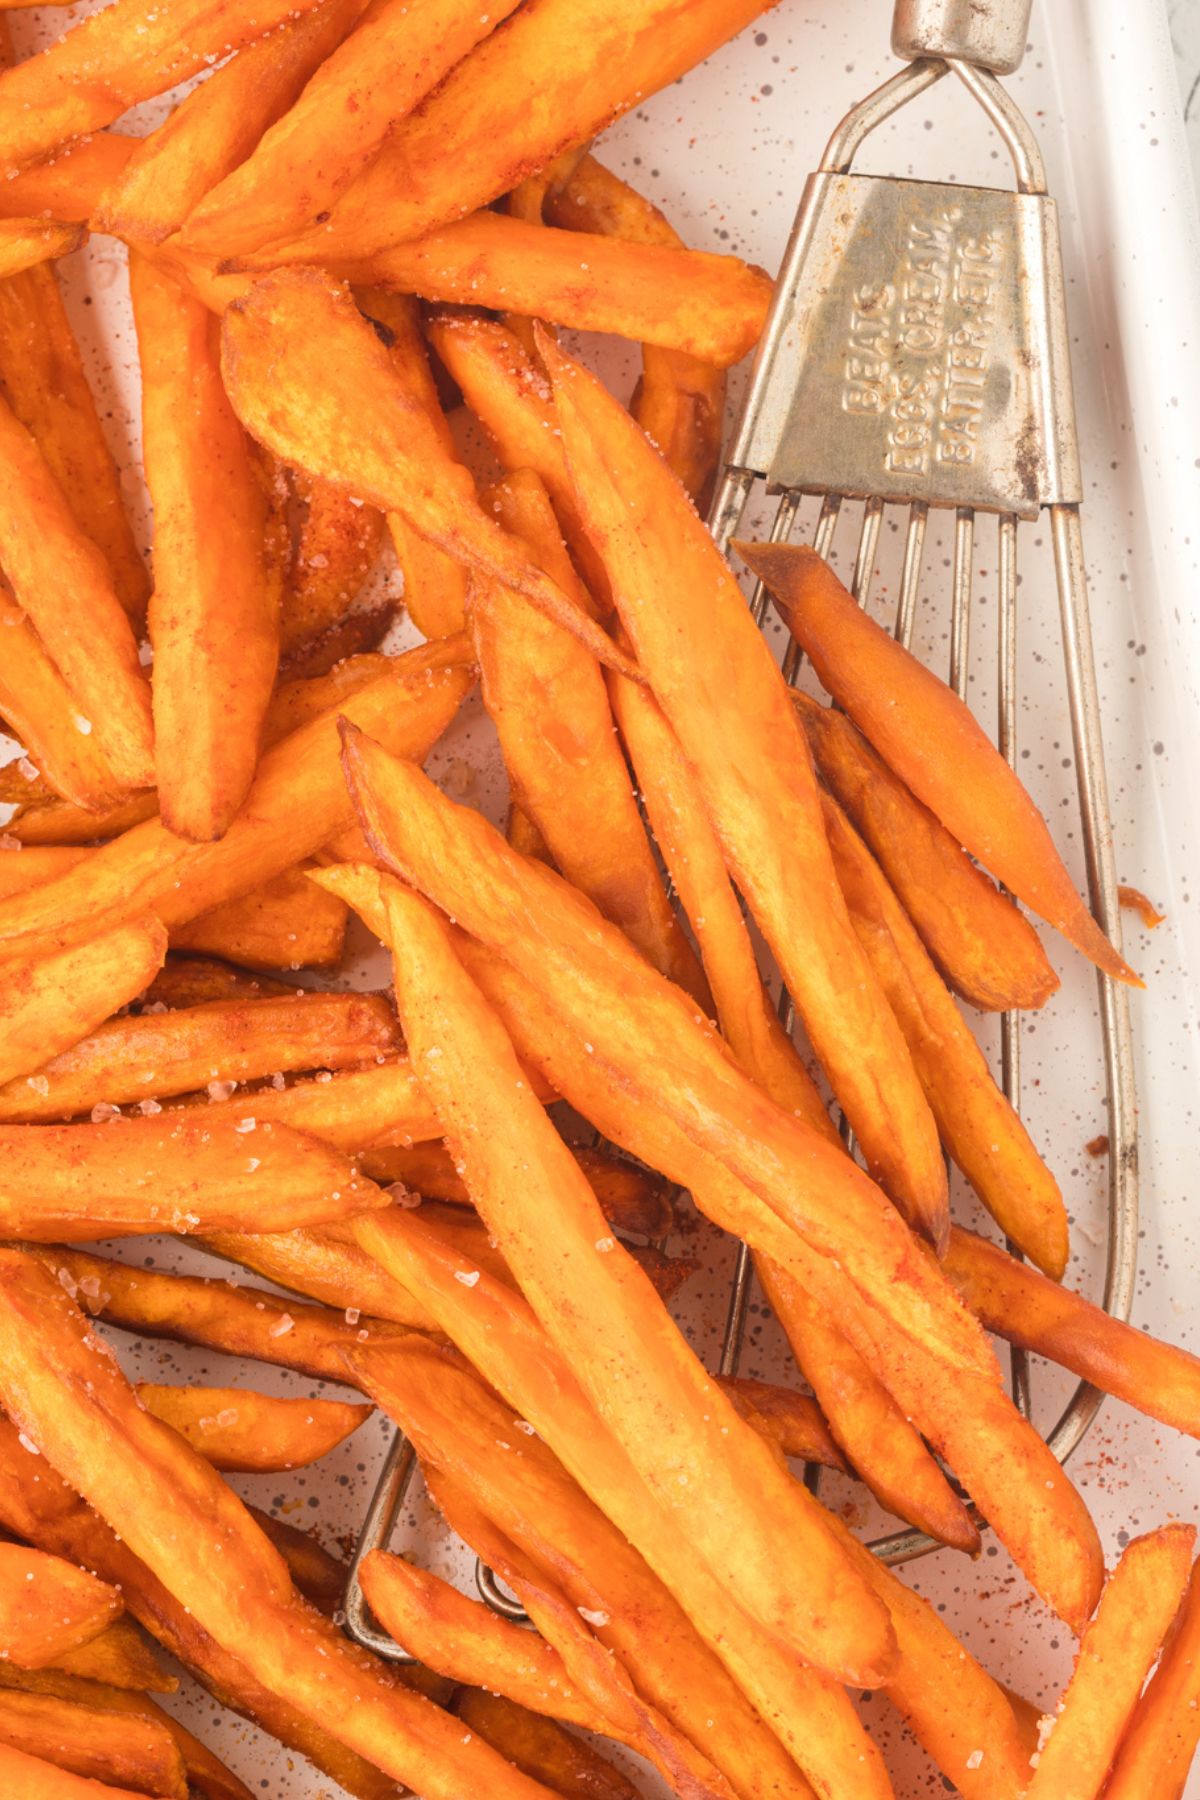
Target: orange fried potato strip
[[633, 1015], [724, 697], [554, 77], [547, 700], [218, 125], [62, 581], [70, 184], [978, 1124], [116, 57], [49, 1005], [984, 946], [42, 376], [926, 734], [238, 1429], [1158, 1746], [173, 1510], [120, 1657], [496, 1329], [31, 1778], [28, 243], [337, 1272], [40, 710], [959, 1406], [691, 302], [113, 1747], [395, 56], [297, 803], [187, 1171], [150, 1055], [312, 381], [336, 547], [600, 1311], [48, 1606], [1017, 1303], [220, 1314], [566, 1764], [214, 611], [35, 1501], [1118, 1649], [680, 399], [206, 1775]]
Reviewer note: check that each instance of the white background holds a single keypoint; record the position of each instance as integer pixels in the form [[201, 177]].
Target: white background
[[725, 154]]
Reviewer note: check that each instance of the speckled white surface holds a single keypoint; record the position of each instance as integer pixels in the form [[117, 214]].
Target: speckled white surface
[[725, 153]]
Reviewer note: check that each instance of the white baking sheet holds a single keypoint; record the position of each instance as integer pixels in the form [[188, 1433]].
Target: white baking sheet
[[725, 153]]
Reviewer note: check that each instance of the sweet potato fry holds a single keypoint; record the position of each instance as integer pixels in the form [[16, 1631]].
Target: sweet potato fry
[[382, 1103], [238, 1429], [1017, 1303], [633, 1200], [930, 739], [564, 1763], [763, 798], [184, 1172], [466, 1642], [337, 545], [692, 852], [324, 1268], [49, 1005], [984, 946], [1157, 1748], [110, 61], [35, 1501], [218, 125], [870, 1429], [680, 400], [214, 611], [244, 1592], [294, 703], [397, 55], [61, 822], [709, 307], [547, 700], [48, 1606], [41, 372], [636, 1367], [26, 243], [198, 980], [222, 1315], [454, 856], [298, 802], [284, 924], [359, 630], [121, 1658], [554, 77], [152, 1055], [791, 1421], [1118, 1649], [114, 1747], [962, 1409], [978, 1125], [40, 710], [603, 1571], [205, 1774], [70, 184], [320, 1577], [32, 1778], [509, 395], [388, 454], [274, 926], [469, 1643], [61, 580], [435, 584]]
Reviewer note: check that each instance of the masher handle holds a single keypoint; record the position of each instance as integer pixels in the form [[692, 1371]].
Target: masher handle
[[988, 33]]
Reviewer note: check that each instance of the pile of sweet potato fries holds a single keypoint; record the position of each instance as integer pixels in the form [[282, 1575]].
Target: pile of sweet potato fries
[[365, 218]]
